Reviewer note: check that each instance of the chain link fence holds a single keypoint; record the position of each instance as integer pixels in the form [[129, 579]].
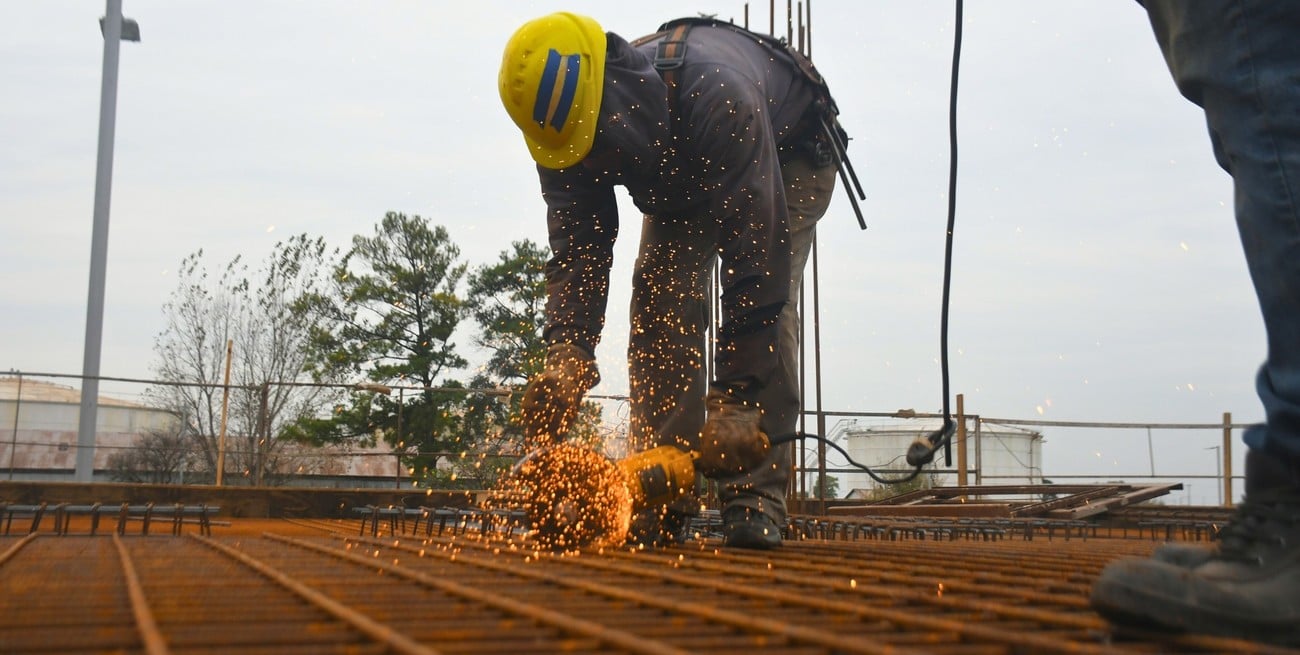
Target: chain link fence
[[141, 438]]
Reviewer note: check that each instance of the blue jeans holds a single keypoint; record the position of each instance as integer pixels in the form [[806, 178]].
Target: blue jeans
[[1239, 60]]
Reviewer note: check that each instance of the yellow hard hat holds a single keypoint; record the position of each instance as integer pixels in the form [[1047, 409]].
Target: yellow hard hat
[[552, 75]]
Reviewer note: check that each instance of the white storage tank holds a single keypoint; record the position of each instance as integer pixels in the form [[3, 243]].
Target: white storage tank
[[39, 423], [995, 456]]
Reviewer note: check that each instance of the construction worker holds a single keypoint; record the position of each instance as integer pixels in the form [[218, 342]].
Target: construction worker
[[721, 145], [1240, 61]]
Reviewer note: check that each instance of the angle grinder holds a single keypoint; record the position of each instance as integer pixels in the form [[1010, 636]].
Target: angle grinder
[[574, 497]]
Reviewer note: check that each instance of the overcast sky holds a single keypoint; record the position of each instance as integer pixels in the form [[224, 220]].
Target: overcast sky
[[1097, 271]]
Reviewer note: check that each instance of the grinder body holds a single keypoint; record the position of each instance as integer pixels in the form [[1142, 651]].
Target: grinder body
[[661, 475], [658, 476]]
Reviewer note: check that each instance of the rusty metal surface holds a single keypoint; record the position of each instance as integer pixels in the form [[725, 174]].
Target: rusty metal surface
[[320, 587]]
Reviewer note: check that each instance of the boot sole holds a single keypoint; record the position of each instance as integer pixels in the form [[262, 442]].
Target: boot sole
[[752, 539], [1115, 598]]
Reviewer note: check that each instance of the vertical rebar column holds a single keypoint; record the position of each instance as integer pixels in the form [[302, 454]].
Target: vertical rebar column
[[797, 446], [808, 36], [817, 375], [789, 23], [715, 310], [799, 29]]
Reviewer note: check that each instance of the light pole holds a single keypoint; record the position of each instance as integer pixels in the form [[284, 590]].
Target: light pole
[[115, 29], [13, 443], [1218, 470]]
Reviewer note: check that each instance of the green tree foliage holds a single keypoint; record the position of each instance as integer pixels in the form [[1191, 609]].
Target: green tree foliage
[[508, 301], [260, 312], [828, 487], [390, 318]]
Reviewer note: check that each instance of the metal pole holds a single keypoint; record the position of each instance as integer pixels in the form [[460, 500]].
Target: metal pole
[[1151, 453], [263, 433], [401, 441], [13, 443], [225, 407], [85, 461], [817, 375], [1218, 468], [1227, 459], [961, 441]]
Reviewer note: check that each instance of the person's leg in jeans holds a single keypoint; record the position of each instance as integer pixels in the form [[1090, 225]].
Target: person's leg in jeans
[[808, 190], [1240, 61]]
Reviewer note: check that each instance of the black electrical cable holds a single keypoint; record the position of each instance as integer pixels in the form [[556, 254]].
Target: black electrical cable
[[776, 441], [922, 450]]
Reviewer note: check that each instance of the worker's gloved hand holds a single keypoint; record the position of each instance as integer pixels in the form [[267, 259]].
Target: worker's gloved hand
[[731, 442], [551, 401]]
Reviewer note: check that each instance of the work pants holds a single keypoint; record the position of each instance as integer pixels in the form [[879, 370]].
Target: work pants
[[670, 318]]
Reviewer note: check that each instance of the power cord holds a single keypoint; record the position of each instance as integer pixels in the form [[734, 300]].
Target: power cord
[[921, 452], [855, 464]]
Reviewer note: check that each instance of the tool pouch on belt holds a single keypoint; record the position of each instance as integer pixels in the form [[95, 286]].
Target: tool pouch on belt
[[550, 404], [731, 442]]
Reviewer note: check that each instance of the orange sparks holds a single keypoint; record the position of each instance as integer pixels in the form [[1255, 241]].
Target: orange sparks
[[572, 497]]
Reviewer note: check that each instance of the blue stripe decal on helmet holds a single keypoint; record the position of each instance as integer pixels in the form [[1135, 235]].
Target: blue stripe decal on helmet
[[542, 104], [566, 95]]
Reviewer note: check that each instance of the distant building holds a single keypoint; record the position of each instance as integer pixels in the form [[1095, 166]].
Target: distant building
[[38, 429], [38, 440]]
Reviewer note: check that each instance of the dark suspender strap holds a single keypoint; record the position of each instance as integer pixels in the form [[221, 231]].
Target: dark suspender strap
[[669, 57]]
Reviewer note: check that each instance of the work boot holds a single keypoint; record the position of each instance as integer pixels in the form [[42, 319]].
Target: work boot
[[1248, 587], [743, 527], [659, 527], [1184, 555]]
